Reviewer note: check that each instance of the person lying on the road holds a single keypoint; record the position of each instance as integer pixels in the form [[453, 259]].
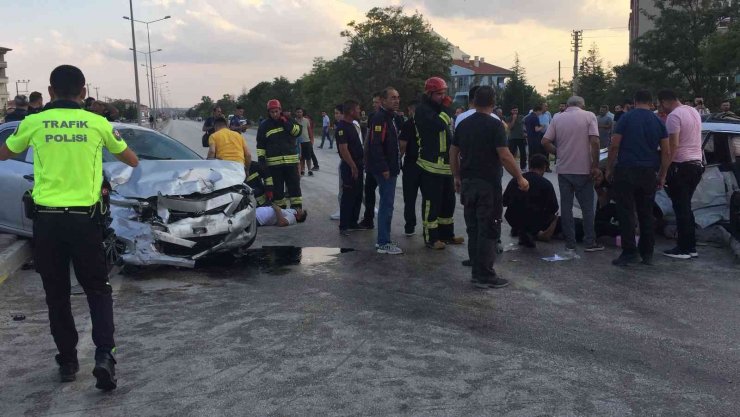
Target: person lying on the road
[[275, 216], [227, 145]]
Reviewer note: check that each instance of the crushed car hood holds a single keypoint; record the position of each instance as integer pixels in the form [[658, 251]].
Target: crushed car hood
[[152, 178]]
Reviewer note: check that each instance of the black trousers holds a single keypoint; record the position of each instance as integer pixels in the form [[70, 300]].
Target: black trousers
[[535, 147], [59, 239], [437, 206], [351, 203], [286, 176], [521, 146], [411, 181], [370, 186], [483, 208], [634, 192], [681, 183]]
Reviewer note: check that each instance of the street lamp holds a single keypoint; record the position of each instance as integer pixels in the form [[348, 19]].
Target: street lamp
[[147, 75], [148, 38], [136, 64]]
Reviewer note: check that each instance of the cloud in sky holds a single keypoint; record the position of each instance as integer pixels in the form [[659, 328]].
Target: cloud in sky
[[212, 47]]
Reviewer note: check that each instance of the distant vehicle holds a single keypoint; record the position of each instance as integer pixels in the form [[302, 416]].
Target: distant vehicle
[[173, 209]]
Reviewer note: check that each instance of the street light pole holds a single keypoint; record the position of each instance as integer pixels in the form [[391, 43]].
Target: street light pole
[[136, 65]]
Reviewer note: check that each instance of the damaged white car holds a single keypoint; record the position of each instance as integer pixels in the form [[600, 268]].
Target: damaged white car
[[173, 209]]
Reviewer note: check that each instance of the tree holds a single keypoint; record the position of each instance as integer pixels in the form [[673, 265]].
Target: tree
[[227, 104], [205, 107], [391, 48], [675, 51], [517, 92], [594, 82]]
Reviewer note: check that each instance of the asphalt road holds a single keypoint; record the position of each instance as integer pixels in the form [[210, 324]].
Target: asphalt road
[[314, 331]]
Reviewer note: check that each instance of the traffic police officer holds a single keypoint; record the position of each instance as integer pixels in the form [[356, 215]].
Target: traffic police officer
[[277, 156], [437, 188], [67, 143]]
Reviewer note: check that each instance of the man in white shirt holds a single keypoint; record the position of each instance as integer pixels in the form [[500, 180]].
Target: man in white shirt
[[275, 216], [471, 111]]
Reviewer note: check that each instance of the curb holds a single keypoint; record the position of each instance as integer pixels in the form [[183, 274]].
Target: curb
[[14, 257]]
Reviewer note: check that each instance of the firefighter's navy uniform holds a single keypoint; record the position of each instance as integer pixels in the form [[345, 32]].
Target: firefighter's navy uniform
[[437, 186], [278, 160], [67, 144], [257, 184]]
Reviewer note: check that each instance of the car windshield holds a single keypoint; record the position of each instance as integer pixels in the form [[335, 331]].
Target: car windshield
[[148, 144]]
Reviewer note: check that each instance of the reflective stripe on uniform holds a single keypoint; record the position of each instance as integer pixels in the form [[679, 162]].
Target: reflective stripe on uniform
[[296, 130], [445, 220], [261, 200], [294, 201], [253, 176], [438, 168], [268, 181], [282, 160], [273, 131], [282, 202], [260, 152]]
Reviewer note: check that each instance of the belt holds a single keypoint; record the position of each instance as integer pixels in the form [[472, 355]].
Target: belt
[[697, 163], [66, 210]]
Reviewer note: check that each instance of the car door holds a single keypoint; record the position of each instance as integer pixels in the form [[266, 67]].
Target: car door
[[16, 176]]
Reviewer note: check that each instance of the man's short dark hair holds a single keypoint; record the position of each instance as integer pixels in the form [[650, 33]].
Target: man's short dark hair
[[301, 219], [537, 107], [67, 81], [386, 91], [216, 108], [643, 97], [339, 108], [219, 120], [472, 91], [725, 101], [35, 96], [484, 97], [89, 102], [349, 105], [604, 106], [300, 108], [514, 107], [538, 161], [240, 107], [667, 95], [377, 94]]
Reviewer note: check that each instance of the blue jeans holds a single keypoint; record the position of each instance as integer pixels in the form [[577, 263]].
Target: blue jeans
[[387, 191], [324, 136], [582, 188]]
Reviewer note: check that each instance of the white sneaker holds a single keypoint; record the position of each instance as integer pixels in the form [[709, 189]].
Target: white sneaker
[[335, 216], [390, 249], [570, 254]]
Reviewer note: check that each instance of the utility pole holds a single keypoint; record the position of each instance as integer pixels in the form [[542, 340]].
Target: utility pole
[[559, 77], [136, 64], [577, 43], [97, 97]]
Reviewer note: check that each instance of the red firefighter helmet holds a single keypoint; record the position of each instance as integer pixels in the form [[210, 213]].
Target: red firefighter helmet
[[434, 84], [273, 104]]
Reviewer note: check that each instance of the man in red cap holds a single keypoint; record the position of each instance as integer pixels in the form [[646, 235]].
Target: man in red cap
[[437, 186], [277, 157]]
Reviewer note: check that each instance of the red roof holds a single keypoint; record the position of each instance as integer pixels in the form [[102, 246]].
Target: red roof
[[483, 69]]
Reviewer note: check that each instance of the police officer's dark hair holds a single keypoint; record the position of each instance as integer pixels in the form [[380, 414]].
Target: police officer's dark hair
[[537, 107], [219, 120], [67, 81], [377, 94], [34, 96], [89, 102], [472, 91], [484, 97], [339, 108], [299, 108], [642, 96], [349, 105], [386, 91], [538, 161], [667, 95], [240, 107]]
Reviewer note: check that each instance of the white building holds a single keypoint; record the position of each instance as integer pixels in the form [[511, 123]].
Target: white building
[[4, 96]]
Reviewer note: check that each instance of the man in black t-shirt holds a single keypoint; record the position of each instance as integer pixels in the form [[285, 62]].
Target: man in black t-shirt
[[532, 214], [351, 167], [477, 154], [208, 127], [411, 179]]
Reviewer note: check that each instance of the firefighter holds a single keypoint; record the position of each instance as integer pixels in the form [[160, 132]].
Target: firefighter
[[257, 184], [278, 160], [437, 187]]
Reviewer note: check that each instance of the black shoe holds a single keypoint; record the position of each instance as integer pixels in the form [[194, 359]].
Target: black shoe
[[647, 260], [315, 169], [497, 282], [492, 281], [105, 371], [303, 173], [344, 232], [526, 240], [67, 369], [626, 259], [677, 253], [409, 231], [467, 262], [310, 173], [366, 225], [357, 227]]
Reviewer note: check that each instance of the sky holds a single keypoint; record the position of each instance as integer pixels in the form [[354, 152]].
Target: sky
[[216, 47]]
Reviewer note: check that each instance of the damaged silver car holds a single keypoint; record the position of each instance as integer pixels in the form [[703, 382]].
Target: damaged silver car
[[173, 209]]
